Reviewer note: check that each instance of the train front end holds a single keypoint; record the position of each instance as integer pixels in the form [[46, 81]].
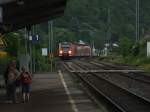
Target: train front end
[[65, 50]]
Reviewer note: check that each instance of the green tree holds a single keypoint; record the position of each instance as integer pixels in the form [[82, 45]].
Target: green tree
[[13, 43], [125, 46]]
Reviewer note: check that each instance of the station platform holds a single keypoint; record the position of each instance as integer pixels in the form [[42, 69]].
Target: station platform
[[53, 92]]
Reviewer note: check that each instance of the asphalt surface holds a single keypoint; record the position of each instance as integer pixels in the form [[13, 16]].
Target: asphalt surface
[[50, 95]]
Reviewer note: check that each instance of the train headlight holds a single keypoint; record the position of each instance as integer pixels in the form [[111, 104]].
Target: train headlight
[[60, 52], [69, 52]]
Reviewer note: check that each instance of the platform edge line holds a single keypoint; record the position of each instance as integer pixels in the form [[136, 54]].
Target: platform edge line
[[72, 102]]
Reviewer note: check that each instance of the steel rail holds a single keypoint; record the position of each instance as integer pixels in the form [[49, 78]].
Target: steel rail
[[142, 99], [114, 105]]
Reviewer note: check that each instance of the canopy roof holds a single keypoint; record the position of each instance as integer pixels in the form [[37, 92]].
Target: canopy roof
[[17, 14], [6, 1]]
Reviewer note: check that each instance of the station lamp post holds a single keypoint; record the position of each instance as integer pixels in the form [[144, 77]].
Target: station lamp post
[[30, 49], [51, 41], [137, 20], [33, 37]]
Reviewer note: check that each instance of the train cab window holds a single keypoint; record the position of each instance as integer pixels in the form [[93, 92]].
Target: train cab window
[[66, 48]]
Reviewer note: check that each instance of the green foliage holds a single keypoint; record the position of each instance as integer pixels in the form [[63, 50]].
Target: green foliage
[[3, 63], [125, 46], [107, 16], [12, 40], [4, 60], [41, 61], [62, 35], [108, 20], [15, 43]]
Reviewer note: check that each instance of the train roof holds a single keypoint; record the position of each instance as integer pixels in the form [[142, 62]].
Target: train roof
[[65, 42], [75, 43]]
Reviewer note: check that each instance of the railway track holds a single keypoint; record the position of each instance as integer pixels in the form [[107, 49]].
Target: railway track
[[124, 80], [121, 97], [137, 75], [133, 75]]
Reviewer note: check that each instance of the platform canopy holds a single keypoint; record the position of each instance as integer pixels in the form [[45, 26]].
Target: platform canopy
[[17, 14]]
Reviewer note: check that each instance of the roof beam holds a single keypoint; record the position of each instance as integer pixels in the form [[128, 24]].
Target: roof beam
[[5, 1], [16, 16]]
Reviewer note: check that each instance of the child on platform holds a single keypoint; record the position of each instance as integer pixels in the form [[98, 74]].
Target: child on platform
[[26, 81]]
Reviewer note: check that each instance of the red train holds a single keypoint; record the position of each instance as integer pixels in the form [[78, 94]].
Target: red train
[[68, 50]]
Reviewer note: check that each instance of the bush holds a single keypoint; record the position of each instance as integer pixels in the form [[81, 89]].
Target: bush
[[3, 63], [125, 46]]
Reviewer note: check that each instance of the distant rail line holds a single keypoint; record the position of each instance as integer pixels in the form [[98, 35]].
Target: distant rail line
[[137, 76]]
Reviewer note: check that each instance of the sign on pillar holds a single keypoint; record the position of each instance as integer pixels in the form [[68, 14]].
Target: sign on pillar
[[148, 49], [44, 52]]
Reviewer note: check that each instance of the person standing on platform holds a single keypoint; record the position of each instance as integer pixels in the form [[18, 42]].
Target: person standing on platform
[[26, 81], [10, 80]]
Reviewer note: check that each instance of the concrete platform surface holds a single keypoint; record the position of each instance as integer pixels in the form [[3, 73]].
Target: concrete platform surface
[[53, 92]]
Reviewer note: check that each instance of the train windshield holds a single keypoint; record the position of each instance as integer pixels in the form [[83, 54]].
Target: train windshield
[[65, 47]]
